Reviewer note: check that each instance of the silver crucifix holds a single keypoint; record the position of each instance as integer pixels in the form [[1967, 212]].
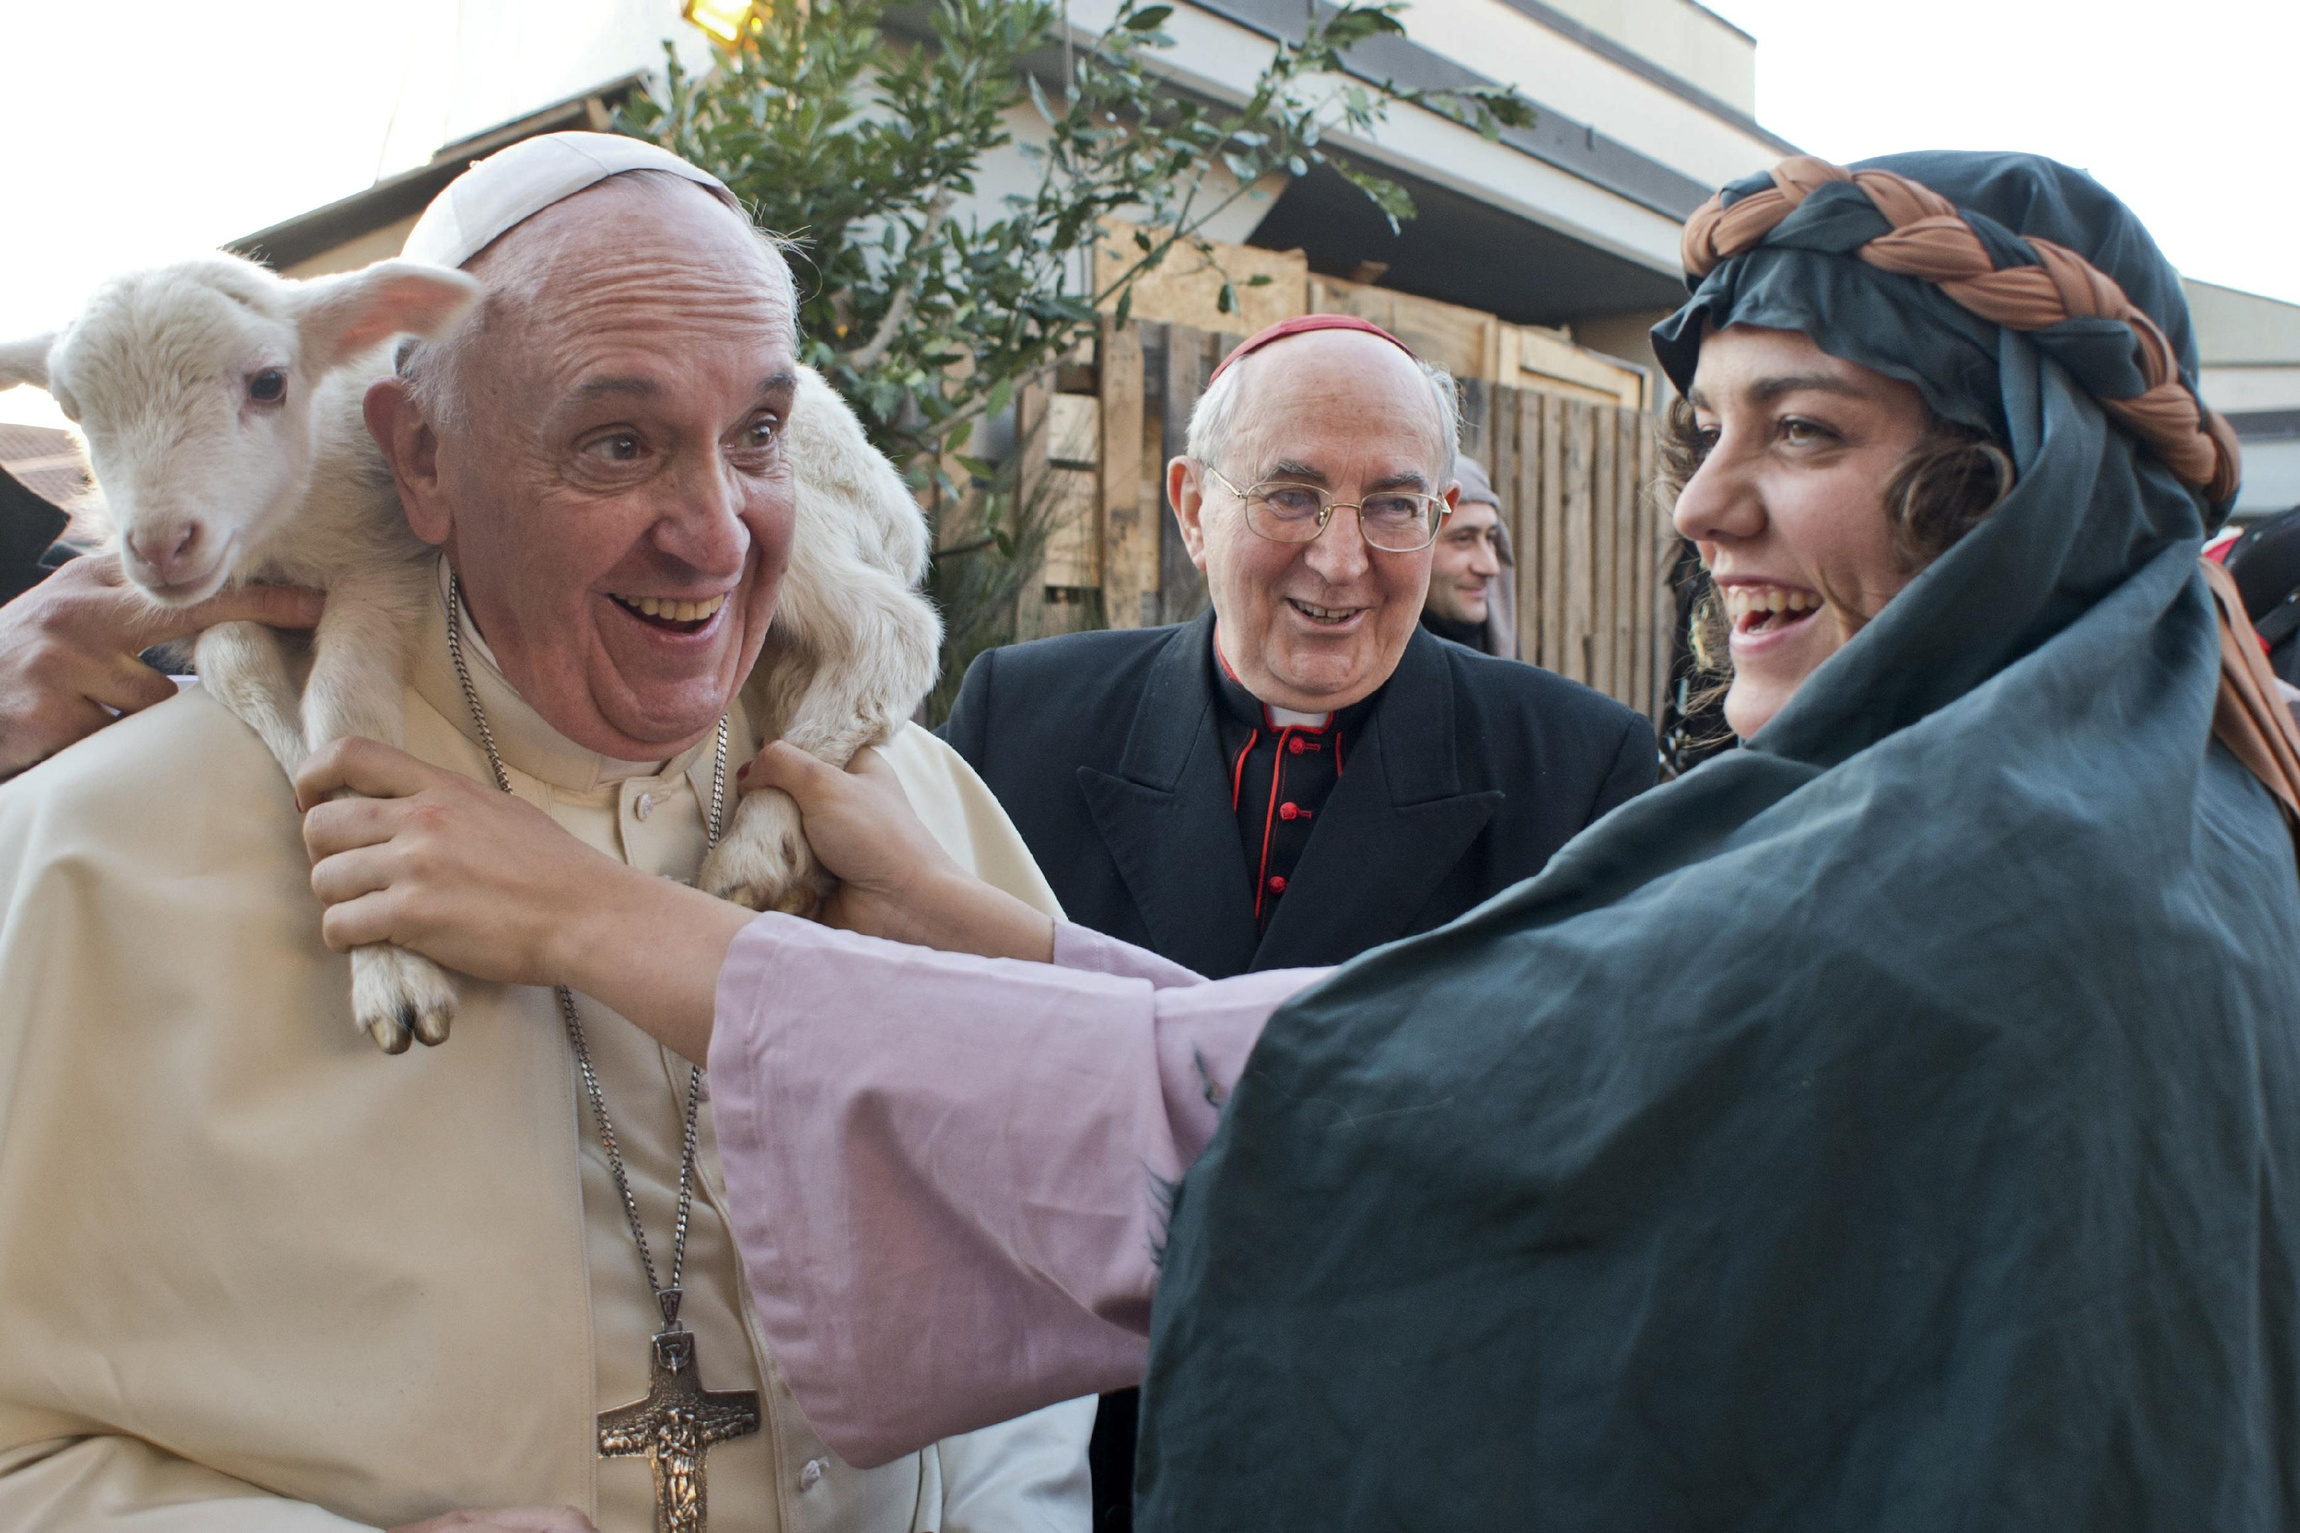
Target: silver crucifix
[[674, 1427]]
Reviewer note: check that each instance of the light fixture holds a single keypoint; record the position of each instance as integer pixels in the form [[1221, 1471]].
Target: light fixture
[[725, 20]]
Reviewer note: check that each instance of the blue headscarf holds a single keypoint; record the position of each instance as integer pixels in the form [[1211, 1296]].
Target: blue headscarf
[[1892, 1124]]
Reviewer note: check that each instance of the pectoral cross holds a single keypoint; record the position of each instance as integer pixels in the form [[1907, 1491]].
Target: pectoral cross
[[674, 1427]]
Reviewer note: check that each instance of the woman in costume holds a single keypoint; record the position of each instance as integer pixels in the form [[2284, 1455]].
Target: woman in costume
[[1893, 1123]]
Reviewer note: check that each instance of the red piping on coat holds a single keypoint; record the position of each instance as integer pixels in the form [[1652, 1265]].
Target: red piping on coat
[[1238, 768]]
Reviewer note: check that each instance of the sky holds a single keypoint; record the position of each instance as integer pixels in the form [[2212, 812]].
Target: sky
[[2183, 108], [155, 127]]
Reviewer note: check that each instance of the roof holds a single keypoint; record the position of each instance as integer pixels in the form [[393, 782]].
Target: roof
[[307, 235], [45, 461]]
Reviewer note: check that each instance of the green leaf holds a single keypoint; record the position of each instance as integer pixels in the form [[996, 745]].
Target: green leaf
[[1259, 279], [976, 466], [1149, 18], [1227, 300], [1125, 305]]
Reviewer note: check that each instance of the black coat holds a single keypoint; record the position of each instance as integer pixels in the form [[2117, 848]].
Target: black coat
[[1469, 773], [29, 527]]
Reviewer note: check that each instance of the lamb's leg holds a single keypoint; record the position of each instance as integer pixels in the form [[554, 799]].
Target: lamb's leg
[[359, 666], [241, 666], [872, 644]]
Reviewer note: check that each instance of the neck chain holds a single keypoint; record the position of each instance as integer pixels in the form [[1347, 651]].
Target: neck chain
[[667, 1295], [679, 1421]]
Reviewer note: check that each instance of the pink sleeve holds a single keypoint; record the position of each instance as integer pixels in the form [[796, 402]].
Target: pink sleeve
[[944, 1171]]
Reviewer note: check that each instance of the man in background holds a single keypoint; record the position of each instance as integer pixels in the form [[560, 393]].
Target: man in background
[[1473, 581], [1302, 773]]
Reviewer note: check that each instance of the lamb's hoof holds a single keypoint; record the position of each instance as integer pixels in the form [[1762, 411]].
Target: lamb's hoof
[[749, 896], [805, 896], [765, 862], [399, 997], [431, 1027]]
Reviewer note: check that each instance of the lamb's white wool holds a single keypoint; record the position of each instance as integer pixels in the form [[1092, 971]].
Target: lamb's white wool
[[25, 361], [853, 647], [221, 408]]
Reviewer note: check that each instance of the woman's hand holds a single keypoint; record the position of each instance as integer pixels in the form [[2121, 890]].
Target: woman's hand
[[484, 882], [895, 880], [479, 880]]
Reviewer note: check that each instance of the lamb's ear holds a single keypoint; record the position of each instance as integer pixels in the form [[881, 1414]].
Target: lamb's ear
[[26, 361], [337, 318]]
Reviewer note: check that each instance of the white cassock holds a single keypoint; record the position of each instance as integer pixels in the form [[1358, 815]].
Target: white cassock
[[255, 1275]]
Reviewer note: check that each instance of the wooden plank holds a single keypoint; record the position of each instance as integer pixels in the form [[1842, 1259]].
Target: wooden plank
[[1642, 555], [1605, 549], [1476, 407], [1532, 596], [1545, 359], [1182, 590], [1129, 523], [1073, 556], [1030, 617], [1662, 602], [1443, 334], [1628, 616], [1186, 288], [1151, 492], [1499, 438], [1074, 430], [1218, 347], [1580, 649], [1648, 566], [1553, 600]]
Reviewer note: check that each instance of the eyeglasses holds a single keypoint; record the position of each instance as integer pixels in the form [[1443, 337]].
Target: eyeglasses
[[1394, 521]]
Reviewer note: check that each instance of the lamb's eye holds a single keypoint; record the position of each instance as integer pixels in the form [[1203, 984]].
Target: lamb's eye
[[268, 386]]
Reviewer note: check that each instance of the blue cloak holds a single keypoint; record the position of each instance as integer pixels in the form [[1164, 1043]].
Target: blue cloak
[[1893, 1124]]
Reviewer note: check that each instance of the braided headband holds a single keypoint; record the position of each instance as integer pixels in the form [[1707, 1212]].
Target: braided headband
[[1930, 239]]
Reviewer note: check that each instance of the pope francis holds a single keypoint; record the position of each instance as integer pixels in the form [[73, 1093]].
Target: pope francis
[[256, 1276]]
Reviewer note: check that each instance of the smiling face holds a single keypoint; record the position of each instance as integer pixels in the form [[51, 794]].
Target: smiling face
[[614, 492], [1788, 503], [1315, 626], [1464, 562]]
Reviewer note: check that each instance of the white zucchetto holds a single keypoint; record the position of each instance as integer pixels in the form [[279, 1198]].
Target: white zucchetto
[[514, 184]]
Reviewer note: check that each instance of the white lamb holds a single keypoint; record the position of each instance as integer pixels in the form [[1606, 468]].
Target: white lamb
[[221, 408]]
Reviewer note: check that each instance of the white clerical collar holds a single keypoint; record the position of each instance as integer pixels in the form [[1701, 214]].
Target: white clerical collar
[[526, 740], [1276, 717]]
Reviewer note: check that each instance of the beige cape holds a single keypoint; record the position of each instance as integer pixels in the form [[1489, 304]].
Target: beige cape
[[250, 1268]]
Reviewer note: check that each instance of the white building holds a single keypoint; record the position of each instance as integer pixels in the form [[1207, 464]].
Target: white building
[[2250, 347], [1645, 106]]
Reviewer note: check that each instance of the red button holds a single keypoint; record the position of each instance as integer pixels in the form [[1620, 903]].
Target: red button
[[1289, 811], [1295, 745], [1277, 883]]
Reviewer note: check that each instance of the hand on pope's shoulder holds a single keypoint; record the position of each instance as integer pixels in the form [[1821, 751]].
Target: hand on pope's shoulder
[[895, 879], [69, 647], [484, 882]]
